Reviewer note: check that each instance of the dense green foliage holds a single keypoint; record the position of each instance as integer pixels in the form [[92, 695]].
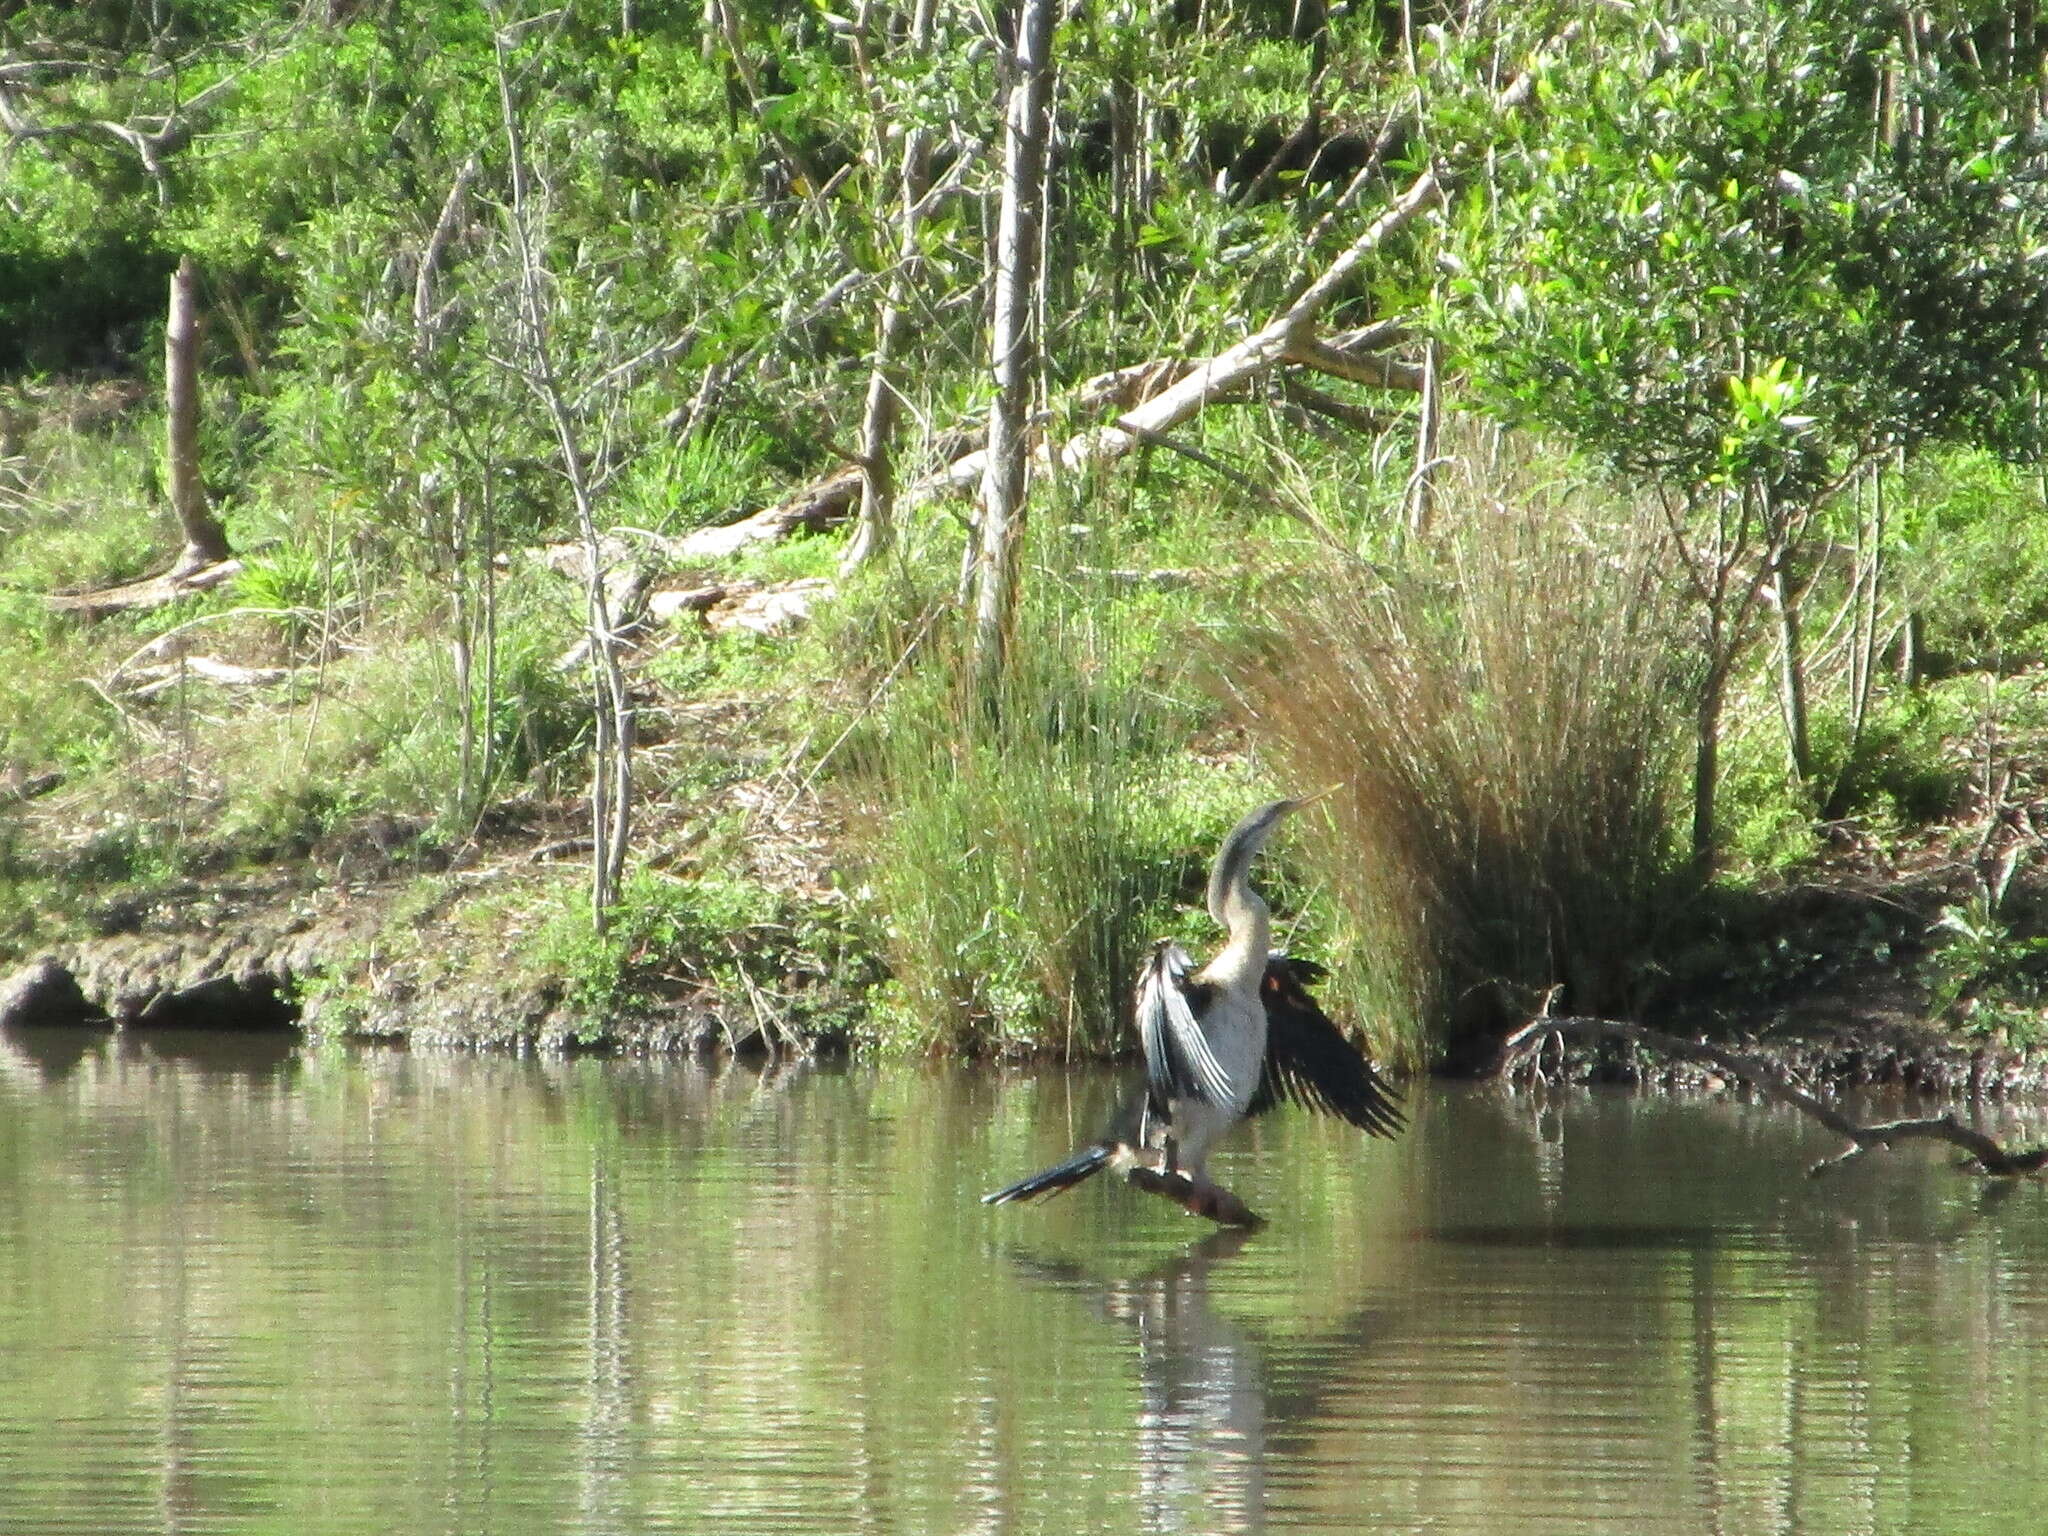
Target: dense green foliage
[[1749, 292]]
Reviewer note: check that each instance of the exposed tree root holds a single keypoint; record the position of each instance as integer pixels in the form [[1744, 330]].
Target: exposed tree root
[[1519, 1054]]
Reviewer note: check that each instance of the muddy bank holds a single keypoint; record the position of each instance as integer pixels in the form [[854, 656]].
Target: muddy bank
[[343, 963], [1856, 1052]]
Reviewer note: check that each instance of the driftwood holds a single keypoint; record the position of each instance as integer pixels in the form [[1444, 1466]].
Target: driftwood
[[819, 505], [150, 592], [1521, 1049]]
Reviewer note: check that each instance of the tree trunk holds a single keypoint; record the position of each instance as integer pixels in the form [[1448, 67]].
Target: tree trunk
[[1792, 678], [1866, 596], [1428, 433], [611, 779], [1126, 180], [1707, 757], [878, 420], [206, 542], [1014, 349]]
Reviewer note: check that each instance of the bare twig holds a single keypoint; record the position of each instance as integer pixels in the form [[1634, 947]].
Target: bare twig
[[611, 782]]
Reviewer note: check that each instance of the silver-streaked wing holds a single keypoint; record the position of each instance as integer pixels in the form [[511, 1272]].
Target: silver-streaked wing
[[1179, 1063]]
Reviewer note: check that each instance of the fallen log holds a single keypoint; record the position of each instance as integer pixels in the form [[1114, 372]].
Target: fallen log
[[147, 682], [818, 505], [763, 607], [1286, 334], [1152, 397]]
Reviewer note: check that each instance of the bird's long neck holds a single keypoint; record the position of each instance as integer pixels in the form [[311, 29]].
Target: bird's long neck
[[1244, 916]]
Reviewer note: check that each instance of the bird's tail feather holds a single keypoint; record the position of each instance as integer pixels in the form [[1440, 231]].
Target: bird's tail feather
[[1061, 1176]]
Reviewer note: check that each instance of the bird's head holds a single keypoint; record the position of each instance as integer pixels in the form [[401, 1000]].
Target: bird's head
[[1232, 870]]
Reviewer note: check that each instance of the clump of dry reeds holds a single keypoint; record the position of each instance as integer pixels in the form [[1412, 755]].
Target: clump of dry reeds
[[1505, 710]]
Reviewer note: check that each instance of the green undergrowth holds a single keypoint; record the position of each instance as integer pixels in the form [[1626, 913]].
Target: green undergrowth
[[1656, 321], [1002, 859]]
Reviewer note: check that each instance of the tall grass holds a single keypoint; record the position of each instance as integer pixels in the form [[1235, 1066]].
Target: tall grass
[[1506, 713], [1019, 848]]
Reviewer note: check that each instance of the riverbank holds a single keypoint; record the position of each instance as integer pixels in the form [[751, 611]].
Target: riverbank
[[466, 955], [1836, 978]]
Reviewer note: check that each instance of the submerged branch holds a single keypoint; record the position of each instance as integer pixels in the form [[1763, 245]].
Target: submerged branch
[[1772, 1082]]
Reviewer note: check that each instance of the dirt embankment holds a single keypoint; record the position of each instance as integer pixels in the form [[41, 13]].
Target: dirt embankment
[[355, 960]]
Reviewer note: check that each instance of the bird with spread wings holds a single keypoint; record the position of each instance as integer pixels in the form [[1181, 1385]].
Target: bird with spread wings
[[1232, 1039]]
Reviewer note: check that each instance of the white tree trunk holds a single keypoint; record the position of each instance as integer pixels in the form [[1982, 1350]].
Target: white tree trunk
[[1015, 345], [878, 420], [611, 779]]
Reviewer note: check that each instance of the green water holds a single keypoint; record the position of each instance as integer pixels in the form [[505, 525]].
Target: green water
[[306, 1292]]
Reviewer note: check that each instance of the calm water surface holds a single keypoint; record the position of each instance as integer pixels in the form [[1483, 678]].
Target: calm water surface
[[246, 1288]]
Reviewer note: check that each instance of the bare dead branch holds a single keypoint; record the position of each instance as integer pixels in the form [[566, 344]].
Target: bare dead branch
[[1210, 1200], [1359, 367], [1771, 1080], [1358, 418], [424, 313], [1253, 356]]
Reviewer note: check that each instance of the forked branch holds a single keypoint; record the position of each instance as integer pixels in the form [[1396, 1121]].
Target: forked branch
[[1520, 1051]]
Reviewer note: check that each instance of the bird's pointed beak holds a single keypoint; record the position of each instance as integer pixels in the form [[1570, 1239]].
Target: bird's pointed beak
[[1312, 799]]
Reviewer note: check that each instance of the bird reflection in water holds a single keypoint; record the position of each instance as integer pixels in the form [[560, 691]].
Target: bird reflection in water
[[1215, 1394]]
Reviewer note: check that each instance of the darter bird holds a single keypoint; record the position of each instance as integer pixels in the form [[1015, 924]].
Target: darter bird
[[1230, 1040]]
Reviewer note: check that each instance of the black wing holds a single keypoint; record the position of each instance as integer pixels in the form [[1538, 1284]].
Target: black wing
[[1308, 1060], [1178, 1061]]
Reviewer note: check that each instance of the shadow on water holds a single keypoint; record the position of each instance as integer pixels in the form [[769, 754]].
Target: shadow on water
[[52, 1052], [252, 1052], [1216, 1396]]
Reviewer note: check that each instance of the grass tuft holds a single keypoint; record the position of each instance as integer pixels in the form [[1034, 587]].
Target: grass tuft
[[1505, 716], [1020, 848]]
